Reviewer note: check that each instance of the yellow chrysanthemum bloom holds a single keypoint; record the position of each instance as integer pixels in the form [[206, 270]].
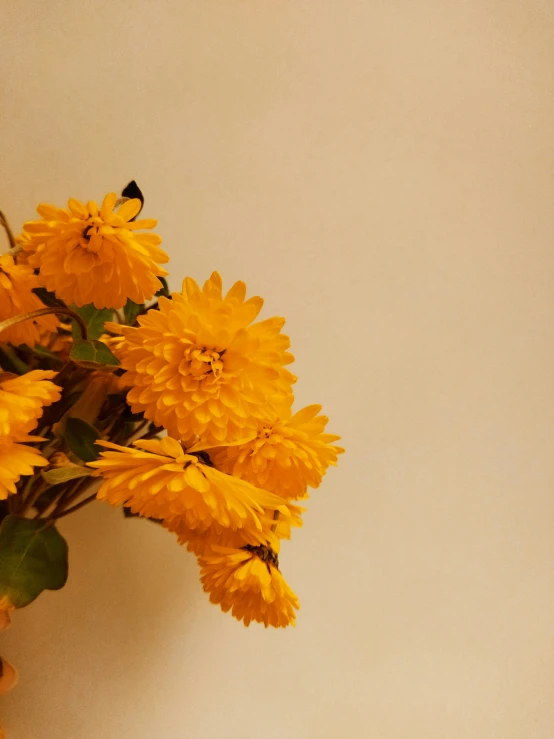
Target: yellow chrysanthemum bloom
[[94, 255], [286, 456], [199, 366], [275, 527], [248, 583], [17, 460], [16, 298], [22, 399], [158, 479]]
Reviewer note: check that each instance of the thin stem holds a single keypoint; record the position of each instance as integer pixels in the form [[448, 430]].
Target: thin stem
[[71, 493], [9, 233], [151, 434], [33, 497], [74, 508], [46, 312], [136, 435]]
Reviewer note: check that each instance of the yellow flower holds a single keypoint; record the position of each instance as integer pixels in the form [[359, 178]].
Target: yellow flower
[[8, 679], [16, 297], [275, 527], [200, 367], [22, 399], [286, 456], [91, 255], [248, 583], [16, 460], [158, 479]]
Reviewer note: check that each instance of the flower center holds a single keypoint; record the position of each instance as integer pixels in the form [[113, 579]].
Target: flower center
[[91, 230], [204, 361], [266, 554]]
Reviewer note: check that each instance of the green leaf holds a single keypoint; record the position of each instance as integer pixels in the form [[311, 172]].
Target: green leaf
[[57, 475], [33, 558], [131, 311], [41, 352], [48, 298], [94, 318], [94, 352], [80, 437], [163, 290], [10, 361]]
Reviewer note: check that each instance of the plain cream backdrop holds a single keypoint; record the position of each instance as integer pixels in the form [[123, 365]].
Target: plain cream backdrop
[[382, 172]]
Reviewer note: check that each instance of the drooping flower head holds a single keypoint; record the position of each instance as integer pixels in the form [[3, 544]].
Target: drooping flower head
[[286, 456], [199, 366], [94, 255], [158, 479], [22, 399], [17, 282], [248, 583]]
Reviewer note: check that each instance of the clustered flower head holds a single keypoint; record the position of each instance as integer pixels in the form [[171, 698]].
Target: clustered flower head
[[86, 254], [182, 408], [159, 479], [22, 400], [248, 583], [202, 368], [287, 455], [17, 282]]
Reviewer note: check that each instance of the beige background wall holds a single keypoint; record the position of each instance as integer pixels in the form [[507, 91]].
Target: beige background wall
[[382, 171]]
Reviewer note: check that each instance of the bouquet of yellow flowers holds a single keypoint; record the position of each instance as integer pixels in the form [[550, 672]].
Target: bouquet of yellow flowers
[[178, 407]]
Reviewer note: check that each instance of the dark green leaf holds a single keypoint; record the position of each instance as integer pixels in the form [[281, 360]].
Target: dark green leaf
[[11, 361], [131, 311], [94, 318], [163, 290], [92, 351], [80, 437], [48, 298], [33, 558], [43, 353], [57, 475]]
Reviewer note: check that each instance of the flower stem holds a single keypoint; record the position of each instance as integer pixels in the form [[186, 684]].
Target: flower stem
[[71, 493], [46, 312], [76, 507], [33, 496], [9, 233]]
